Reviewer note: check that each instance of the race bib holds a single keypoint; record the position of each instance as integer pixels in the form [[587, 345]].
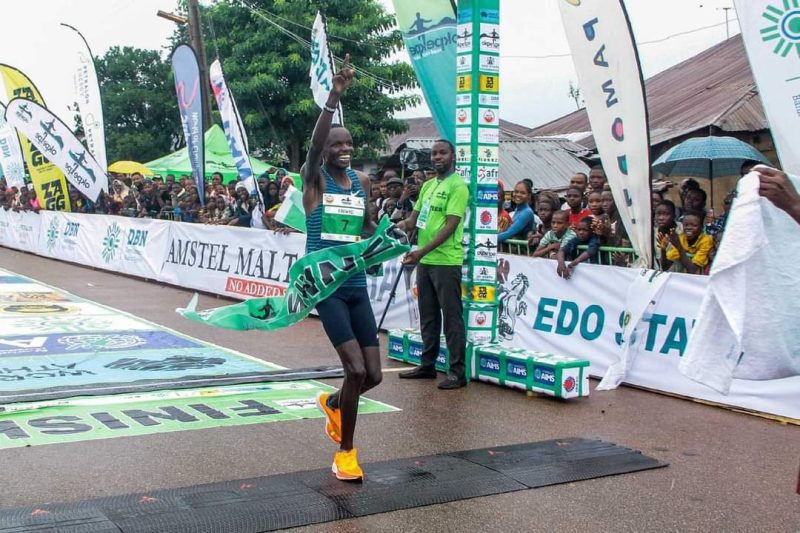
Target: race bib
[[342, 217], [422, 219]]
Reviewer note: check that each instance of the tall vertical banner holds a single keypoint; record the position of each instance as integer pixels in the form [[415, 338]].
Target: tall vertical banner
[[771, 33], [607, 64], [87, 92], [321, 71], [232, 124], [56, 141], [48, 181], [10, 154], [429, 31], [190, 106], [477, 138]]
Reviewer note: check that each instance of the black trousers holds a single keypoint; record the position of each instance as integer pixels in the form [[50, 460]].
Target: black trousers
[[439, 290]]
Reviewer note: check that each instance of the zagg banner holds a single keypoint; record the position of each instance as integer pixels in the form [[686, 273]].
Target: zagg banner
[[13, 167], [771, 34], [607, 64]]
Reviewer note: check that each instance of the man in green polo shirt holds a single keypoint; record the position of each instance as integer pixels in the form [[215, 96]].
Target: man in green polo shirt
[[438, 216]]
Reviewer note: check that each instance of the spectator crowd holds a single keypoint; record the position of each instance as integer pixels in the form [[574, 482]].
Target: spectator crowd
[[583, 225]]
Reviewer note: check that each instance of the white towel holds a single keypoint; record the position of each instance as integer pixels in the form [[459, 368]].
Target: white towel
[[747, 327]]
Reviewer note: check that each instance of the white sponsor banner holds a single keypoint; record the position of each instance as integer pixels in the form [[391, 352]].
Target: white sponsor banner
[[463, 117], [57, 143], [490, 38], [490, 63], [581, 317], [13, 166], [321, 70], [771, 34], [87, 94], [20, 230], [605, 58], [464, 99], [236, 262]]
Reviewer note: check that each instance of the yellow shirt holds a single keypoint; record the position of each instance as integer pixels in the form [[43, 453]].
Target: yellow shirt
[[698, 252]]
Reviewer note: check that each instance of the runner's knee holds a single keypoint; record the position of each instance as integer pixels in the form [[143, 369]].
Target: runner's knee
[[373, 378]]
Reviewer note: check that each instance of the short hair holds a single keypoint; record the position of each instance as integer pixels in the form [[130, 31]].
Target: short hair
[[700, 216], [595, 192], [690, 184], [574, 189], [529, 182], [750, 163], [560, 213], [668, 204], [448, 143], [699, 192], [586, 220], [598, 166], [585, 177]]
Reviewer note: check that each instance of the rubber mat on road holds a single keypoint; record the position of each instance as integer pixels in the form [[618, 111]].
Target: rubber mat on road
[[311, 497]]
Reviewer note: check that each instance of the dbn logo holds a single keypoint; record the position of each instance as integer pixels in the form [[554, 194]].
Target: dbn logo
[[72, 229], [137, 237]]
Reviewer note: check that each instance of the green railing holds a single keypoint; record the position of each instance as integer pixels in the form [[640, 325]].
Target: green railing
[[626, 255]]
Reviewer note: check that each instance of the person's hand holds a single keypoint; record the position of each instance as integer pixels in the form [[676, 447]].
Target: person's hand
[[619, 259], [563, 270], [662, 240], [412, 257], [283, 231], [344, 78], [776, 187], [673, 239], [396, 231], [534, 238]]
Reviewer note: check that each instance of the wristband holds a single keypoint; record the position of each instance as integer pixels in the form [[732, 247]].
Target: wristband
[[329, 109]]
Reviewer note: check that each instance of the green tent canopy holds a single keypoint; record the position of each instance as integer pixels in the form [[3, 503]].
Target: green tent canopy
[[218, 159]]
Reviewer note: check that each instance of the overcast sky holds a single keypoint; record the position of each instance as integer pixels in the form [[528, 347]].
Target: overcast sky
[[534, 89]]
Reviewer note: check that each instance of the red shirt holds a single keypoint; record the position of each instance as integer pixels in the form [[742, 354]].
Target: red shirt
[[575, 218]]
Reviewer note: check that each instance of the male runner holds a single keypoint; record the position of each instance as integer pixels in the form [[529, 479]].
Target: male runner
[[335, 200]]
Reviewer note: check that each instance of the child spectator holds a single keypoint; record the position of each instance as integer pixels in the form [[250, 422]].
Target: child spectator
[[665, 224], [595, 203], [523, 219], [218, 211], [576, 210], [559, 235], [610, 228], [569, 252], [689, 250], [545, 210]]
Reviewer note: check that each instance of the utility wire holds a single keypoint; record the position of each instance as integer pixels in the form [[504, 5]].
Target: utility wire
[[668, 37]]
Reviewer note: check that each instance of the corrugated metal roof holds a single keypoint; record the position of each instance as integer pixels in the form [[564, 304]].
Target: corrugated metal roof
[[713, 88], [425, 128], [549, 163]]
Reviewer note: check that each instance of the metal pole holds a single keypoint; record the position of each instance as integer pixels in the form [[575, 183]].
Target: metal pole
[[196, 41]]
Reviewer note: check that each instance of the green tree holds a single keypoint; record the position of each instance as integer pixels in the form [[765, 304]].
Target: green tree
[[267, 70], [139, 104]]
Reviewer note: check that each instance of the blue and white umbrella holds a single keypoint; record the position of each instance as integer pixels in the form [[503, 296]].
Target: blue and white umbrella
[[707, 157]]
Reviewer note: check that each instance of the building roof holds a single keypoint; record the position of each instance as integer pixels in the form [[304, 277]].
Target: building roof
[[549, 163], [425, 128], [713, 88]]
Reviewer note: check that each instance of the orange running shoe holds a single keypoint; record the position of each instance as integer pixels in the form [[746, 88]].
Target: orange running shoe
[[345, 466], [333, 418]]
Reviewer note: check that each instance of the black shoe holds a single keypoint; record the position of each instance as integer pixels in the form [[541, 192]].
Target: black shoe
[[419, 373], [452, 382]]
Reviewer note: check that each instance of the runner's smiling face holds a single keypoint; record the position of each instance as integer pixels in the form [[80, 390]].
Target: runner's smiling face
[[339, 148]]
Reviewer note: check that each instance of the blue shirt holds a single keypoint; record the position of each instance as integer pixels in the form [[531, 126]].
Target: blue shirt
[[522, 223]]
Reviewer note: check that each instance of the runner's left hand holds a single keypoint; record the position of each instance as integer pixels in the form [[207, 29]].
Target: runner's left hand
[[412, 257]]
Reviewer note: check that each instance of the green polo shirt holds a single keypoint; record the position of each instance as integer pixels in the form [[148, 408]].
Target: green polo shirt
[[447, 197]]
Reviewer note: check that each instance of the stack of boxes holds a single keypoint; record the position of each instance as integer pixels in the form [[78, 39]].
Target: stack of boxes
[[529, 370]]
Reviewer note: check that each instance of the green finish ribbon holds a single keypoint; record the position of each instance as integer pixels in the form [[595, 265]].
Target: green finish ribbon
[[312, 278]]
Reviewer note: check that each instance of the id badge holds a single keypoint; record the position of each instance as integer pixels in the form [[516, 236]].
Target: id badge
[[422, 219]]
